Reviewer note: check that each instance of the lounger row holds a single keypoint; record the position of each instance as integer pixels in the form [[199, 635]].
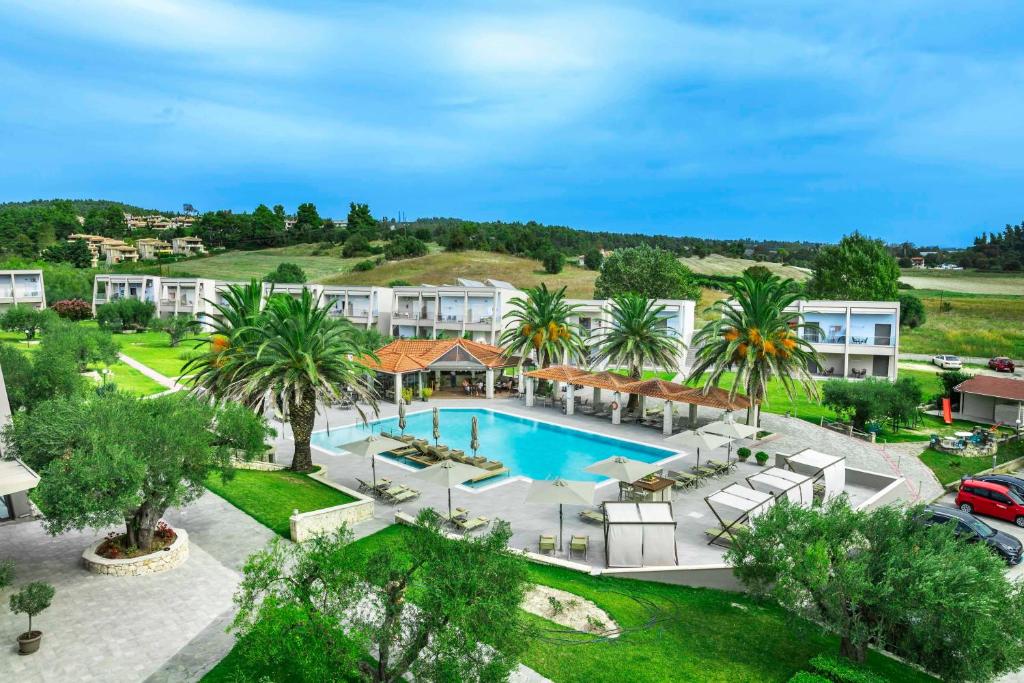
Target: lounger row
[[461, 520], [388, 491], [421, 452], [697, 475]]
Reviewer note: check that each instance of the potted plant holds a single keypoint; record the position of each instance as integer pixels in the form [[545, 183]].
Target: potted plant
[[427, 393], [31, 600], [743, 453], [407, 395], [761, 457]]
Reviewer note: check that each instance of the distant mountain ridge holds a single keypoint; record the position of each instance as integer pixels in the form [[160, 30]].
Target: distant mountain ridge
[[84, 206]]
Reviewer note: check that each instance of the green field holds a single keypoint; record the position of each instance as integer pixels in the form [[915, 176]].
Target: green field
[[245, 265], [153, 350], [715, 264], [965, 281], [271, 497], [672, 633], [982, 325]]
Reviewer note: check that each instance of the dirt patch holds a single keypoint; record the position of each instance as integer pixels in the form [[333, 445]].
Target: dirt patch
[[569, 610]]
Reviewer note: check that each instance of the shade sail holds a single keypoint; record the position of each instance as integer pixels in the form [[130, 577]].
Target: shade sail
[[16, 476], [736, 502], [561, 491], [372, 445], [448, 473], [735, 430], [622, 468], [829, 468], [798, 488]]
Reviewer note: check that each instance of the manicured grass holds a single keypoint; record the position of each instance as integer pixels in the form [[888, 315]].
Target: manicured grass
[[949, 468], [132, 381], [716, 264], [982, 325], [271, 497], [153, 350], [964, 281], [673, 633]]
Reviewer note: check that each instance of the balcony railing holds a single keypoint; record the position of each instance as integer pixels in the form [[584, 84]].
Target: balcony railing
[[449, 318]]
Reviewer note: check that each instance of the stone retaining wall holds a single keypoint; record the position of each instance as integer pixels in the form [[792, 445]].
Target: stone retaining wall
[[260, 465], [306, 525], [154, 563]]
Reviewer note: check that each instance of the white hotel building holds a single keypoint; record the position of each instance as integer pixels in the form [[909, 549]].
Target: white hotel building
[[21, 287]]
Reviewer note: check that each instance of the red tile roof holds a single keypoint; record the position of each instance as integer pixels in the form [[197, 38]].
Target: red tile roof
[[413, 355], [999, 387]]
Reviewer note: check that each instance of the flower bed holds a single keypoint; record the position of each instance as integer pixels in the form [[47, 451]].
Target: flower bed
[[114, 546], [168, 557]]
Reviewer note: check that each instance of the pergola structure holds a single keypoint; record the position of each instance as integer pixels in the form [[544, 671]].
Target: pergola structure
[[621, 386], [406, 357]]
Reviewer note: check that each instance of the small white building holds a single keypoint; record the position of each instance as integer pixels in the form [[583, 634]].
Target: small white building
[[992, 400], [22, 287], [856, 339]]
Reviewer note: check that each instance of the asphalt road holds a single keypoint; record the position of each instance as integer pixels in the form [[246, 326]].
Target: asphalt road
[[1016, 572]]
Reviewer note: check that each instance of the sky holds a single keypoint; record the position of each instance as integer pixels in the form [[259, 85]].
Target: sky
[[786, 120]]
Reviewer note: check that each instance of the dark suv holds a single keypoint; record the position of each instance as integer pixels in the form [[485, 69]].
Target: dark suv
[[1015, 484], [973, 530]]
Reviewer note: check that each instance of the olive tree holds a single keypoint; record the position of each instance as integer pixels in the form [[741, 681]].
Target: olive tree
[[122, 459], [425, 604], [883, 578]]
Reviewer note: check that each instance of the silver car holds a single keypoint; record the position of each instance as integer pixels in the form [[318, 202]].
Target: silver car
[[948, 362]]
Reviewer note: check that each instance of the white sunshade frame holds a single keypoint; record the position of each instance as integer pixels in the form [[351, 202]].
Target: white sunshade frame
[[738, 504], [623, 469], [829, 468], [640, 534], [797, 488], [735, 430]]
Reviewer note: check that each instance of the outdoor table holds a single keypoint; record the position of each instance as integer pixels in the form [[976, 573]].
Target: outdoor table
[[655, 488]]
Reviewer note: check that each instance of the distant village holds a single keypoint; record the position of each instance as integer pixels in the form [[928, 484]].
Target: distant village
[[110, 251]]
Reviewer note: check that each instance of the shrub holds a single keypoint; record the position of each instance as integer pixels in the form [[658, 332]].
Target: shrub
[[593, 259], [427, 393], [912, 312], [399, 283], [404, 246], [125, 314], [286, 273], [554, 262], [807, 677], [26, 319], [843, 670], [72, 309], [743, 453], [356, 245], [761, 457], [407, 394], [6, 573], [364, 266]]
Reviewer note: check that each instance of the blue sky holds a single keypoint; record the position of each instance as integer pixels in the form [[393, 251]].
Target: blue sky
[[797, 120]]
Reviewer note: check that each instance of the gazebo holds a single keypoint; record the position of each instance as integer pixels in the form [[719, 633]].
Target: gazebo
[[404, 357]]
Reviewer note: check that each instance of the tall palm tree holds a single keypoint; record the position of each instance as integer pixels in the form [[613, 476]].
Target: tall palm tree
[[540, 323], [291, 356], [637, 337], [753, 333]]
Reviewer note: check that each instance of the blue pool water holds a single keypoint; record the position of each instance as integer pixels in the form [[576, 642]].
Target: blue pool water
[[537, 450]]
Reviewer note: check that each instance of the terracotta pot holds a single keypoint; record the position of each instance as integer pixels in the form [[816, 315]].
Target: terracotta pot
[[28, 642]]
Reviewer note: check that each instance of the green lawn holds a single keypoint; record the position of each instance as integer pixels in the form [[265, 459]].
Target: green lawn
[[271, 497], [673, 633], [153, 350], [948, 468], [132, 381], [245, 265]]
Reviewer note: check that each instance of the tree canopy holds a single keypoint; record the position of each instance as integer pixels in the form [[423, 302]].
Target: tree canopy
[[122, 459], [857, 269], [286, 272], [437, 608], [649, 272]]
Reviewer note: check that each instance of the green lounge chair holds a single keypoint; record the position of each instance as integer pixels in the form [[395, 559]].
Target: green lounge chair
[[683, 480], [592, 516], [546, 544], [719, 465], [704, 472], [398, 494], [579, 544]]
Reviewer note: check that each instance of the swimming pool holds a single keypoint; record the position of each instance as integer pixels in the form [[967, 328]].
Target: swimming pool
[[538, 450]]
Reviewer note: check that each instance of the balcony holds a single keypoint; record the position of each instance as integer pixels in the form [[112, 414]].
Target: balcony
[[449, 318]]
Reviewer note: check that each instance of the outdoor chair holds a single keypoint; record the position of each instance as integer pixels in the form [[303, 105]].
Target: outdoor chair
[[720, 466], [398, 494], [579, 544], [471, 524], [546, 544], [592, 516], [683, 480], [457, 513], [704, 472]]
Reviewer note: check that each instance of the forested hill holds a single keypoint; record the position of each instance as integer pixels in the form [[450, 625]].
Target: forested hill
[[82, 207]]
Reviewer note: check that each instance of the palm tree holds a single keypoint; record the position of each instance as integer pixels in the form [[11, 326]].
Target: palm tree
[[753, 333], [540, 323], [637, 337], [291, 356]]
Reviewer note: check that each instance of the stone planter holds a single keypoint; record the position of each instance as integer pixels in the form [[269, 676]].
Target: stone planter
[[154, 563]]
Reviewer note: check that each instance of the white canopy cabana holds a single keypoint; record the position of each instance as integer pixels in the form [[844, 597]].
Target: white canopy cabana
[[639, 535], [735, 505], [831, 469], [798, 488]]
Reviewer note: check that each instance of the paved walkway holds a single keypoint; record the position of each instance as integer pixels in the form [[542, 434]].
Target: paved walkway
[[123, 629]]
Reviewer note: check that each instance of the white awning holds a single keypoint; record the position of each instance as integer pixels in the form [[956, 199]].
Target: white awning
[[639, 534], [16, 476], [798, 488], [830, 468]]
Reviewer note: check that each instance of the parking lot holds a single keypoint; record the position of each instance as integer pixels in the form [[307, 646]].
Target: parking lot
[[1007, 527]]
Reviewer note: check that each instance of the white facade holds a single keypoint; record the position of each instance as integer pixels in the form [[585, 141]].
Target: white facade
[[22, 287], [468, 308], [678, 315], [107, 288], [366, 307], [856, 339]]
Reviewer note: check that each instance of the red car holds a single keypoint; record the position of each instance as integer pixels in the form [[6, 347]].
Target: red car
[[1001, 364], [992, 499]]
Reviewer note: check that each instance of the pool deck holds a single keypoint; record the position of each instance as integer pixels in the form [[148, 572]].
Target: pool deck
[[507, 501]]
